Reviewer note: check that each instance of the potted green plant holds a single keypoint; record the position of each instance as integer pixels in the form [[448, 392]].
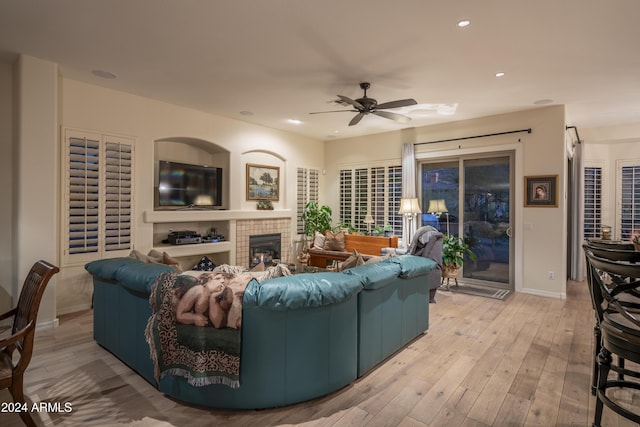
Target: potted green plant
[[316, 218], [264, 205], [454, 249]]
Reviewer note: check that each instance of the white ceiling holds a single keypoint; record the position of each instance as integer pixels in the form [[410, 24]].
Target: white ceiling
[[281, 59]]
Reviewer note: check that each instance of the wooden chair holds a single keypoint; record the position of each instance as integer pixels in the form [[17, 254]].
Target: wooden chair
[[22, 333], [620, 329], [630, 299], [610, 244]]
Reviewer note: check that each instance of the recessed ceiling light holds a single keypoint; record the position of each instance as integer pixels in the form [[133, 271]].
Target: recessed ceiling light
[[246, 113], [543, 101], [295, 121], [104, 74], [500, 74], [463, 23]]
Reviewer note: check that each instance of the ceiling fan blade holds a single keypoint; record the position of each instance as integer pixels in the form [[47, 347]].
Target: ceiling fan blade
[[396, 104], [335, 111], [392, 116], [352, 102], [356, 119]]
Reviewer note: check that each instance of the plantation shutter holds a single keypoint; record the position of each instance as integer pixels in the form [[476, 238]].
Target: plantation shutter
[[629, 211], [117, 222], [378, 196], [83, 194], [346, 196], [97, 213], [379, 185], [592, 202], [307, 182], [362, 197], [394, 194]]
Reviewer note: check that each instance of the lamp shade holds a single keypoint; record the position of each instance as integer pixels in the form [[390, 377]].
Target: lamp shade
[[409, 206], [437, 206], [368, 219]]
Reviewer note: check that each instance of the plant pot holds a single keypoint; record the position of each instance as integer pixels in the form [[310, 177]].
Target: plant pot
[[449, 272]]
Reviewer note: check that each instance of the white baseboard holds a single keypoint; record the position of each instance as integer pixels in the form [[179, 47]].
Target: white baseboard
[[538, 292], [74, 309]]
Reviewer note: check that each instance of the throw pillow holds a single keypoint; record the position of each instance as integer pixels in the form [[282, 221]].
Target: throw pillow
[[205, 264], [335, 241], [166, 259], [154, 253], [354, 260], [136, 254], [319, 240]]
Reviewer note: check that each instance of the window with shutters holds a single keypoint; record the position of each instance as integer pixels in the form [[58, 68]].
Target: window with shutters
[[97, 208], [307, 183], [592, 202], [628, 211], [375, 190]]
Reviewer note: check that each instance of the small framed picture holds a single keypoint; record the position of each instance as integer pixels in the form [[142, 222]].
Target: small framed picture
[[263, 182], [541, 191]]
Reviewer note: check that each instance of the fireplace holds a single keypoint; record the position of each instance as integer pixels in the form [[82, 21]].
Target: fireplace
[[264, 248]]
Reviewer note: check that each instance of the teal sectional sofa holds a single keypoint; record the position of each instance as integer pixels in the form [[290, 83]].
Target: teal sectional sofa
[[303, 336]]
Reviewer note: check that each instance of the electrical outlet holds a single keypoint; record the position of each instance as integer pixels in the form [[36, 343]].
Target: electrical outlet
[[552, 275]]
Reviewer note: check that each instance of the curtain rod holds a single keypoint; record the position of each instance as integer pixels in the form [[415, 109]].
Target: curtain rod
[[475, 136], [575, 129]]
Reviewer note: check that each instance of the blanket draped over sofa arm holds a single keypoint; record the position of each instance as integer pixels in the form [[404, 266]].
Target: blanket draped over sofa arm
[[204, 355]]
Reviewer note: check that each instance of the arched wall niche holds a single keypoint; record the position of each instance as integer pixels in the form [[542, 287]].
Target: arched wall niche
[[194, 151]]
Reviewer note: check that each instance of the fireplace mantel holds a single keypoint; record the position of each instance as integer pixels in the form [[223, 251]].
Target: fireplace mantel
[[155, 217]]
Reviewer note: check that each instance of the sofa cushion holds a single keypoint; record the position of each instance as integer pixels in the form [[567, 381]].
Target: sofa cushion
[[411, 265], [140, 277], [335, 241], [301, 291], [374, 276], [107, 268]]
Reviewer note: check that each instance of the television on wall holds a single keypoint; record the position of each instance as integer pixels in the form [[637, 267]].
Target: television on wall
[[183, 185]]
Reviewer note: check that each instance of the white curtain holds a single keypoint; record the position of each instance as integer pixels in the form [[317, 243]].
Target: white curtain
[[577, 214], [408, 171], [408, 187]]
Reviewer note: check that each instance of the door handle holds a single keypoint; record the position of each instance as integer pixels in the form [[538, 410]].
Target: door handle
[[508, 232]]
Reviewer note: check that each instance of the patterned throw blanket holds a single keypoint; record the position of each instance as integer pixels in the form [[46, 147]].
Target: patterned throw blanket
[[194, 329]]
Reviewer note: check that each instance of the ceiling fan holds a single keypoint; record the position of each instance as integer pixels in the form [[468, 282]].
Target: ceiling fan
[[366, 105]]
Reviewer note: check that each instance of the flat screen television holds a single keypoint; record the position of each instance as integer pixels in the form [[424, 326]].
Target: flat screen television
[[183, 185]]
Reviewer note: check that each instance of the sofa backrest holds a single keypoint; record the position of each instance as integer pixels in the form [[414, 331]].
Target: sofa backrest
[[301, 291]]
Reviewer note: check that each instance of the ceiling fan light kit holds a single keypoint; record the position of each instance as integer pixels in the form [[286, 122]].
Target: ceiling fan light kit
[[366, 105]]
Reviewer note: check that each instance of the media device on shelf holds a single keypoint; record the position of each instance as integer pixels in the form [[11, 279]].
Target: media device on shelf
[[184, 186]]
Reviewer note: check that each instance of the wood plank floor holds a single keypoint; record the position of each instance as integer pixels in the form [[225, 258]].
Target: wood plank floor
[[520, 362]]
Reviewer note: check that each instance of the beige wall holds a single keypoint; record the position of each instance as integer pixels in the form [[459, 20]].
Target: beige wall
[[6, 188], [539, 233]]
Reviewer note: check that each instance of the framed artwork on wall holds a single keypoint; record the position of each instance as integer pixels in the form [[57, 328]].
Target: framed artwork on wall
[[541, 191], [263, 182]]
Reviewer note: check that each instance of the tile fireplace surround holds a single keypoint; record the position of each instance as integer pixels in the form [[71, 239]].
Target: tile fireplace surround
[[251, 227]]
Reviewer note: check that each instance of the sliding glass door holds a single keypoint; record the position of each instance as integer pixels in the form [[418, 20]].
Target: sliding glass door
[[477, 195]]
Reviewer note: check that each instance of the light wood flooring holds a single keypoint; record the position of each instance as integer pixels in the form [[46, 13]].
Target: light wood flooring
[[484, 362]]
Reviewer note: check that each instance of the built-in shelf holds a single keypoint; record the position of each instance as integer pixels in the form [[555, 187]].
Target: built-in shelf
[[212, 215], [195, 249]]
